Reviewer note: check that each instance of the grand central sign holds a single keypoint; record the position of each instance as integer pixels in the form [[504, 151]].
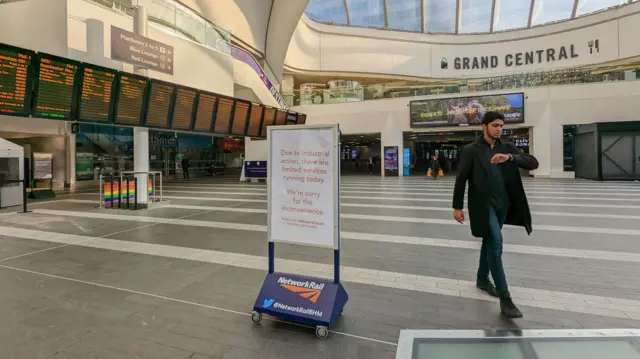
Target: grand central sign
[[517, 59]]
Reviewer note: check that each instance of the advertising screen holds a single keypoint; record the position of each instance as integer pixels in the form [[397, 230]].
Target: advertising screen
[[466, 111], [96, 94], [55, 87], [391, 160], [16, 76]]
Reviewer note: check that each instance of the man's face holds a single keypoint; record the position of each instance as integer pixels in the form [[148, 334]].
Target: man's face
[[494, 129]]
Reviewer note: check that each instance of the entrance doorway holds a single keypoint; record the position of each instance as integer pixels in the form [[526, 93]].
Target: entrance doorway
[[360, 154], [448, 146]]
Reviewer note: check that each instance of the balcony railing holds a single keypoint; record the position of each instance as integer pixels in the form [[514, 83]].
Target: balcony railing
[[174, 17], [317, 96]]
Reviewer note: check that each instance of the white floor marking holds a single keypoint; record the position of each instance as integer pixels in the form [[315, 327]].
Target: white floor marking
[[419, 208], [249, 200], [558, 204], [184, 302], [262, 228], [573, 302], [431, 191], [103, 236], [410, 194], [436, 242]]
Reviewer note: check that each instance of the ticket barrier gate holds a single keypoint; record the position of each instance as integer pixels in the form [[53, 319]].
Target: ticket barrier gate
[[118, 192]]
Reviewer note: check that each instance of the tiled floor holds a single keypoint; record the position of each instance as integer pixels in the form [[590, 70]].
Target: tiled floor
[[179, 281]]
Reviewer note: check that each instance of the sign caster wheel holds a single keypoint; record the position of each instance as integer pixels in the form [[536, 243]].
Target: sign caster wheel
[[256, 317], [322, 332]]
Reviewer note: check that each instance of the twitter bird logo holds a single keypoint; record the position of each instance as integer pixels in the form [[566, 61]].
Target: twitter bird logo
[[267, 303]]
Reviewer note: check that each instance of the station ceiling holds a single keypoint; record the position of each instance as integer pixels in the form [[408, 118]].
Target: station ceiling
[[453, 16]]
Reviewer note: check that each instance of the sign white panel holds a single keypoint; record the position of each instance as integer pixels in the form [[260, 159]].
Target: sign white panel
[[302, 179]]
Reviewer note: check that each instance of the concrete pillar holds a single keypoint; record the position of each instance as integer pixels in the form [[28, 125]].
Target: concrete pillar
[[286, 89], [140, 134], [140, 27], [70, 177], [141, 162], [392, 136]]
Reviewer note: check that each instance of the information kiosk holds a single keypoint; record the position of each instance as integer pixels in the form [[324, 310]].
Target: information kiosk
[[304, 209]]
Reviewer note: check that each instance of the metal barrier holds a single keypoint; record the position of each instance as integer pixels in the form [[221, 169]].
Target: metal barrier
[[122, 189]]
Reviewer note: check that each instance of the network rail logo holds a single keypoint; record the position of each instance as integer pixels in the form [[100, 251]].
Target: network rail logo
[[306, 289]]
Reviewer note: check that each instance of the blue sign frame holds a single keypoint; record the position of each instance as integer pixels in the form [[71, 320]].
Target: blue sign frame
[[255, 169], [307, 300]]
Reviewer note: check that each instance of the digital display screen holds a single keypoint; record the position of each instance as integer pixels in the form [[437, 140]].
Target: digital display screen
[[55, 87], [16, 75], [302, 119], [390, 158], [159, 104], [281, 117], [183, 109], [223, 115], [96, 94], [466, 111], [292, 118], [204, 112], [130, 104], [255, 120], [240, 118], [269, 119]]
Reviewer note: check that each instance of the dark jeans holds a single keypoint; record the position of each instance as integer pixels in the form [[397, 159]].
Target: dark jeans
[[185, 172], [491, 254]]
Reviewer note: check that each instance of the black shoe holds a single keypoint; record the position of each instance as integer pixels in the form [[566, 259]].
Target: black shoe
[[508, 309], [487, 287]]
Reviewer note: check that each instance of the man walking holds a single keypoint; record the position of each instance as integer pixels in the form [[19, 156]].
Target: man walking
[[185, 168], [496, 196], [434, 167]]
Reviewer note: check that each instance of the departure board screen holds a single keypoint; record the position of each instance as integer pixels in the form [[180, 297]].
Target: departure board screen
[[267, 120], [183, 109], [204, 112], [281, 117], [302, 119], [223, 115], [240, 118], [55, 87], [130, 102], [16, 76], [159, 104], [255, 120], [96, 94]]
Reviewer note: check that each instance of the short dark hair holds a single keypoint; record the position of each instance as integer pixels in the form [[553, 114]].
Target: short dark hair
[[492, 116]]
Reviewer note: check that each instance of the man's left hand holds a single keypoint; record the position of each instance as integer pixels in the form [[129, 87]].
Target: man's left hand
[[500, 158]]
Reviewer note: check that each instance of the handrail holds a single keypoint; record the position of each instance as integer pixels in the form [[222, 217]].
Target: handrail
[[449, 86]]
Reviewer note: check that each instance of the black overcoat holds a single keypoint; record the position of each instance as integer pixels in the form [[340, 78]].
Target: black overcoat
[[474, 169]]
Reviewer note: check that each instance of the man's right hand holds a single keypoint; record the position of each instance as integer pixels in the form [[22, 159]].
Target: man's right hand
[[458, 214]]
